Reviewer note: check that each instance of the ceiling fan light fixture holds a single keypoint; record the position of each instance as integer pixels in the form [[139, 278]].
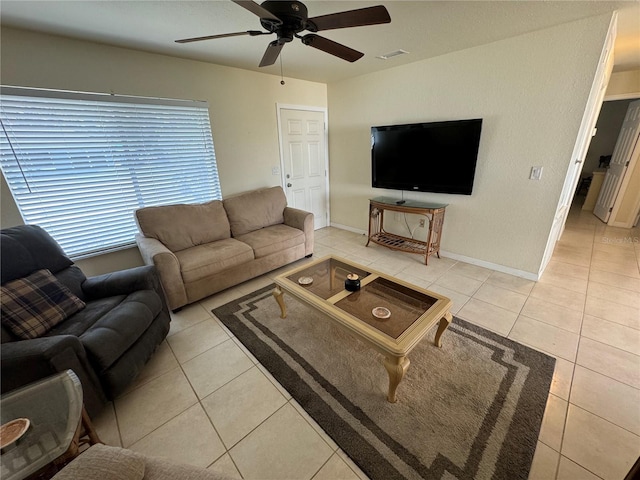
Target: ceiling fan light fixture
[[389, 55]]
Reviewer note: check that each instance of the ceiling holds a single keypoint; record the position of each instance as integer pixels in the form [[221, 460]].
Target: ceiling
[[425, 29]]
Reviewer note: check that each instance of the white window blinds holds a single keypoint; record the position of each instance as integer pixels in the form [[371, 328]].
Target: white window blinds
[[79, 165]]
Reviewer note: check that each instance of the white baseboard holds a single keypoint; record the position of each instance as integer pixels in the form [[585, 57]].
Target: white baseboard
[[462, 258], [491, 266], [620, 224], [350, 229]]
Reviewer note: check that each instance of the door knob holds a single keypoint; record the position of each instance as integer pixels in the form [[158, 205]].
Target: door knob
[[289, 185]]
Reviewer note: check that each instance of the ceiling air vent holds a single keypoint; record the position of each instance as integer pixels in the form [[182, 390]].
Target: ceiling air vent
[[389, 55]]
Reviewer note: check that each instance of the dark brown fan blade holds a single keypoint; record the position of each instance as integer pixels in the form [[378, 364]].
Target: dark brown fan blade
[[271, 54], [253, 33], [350, 18], [334, 48], [256, 9]]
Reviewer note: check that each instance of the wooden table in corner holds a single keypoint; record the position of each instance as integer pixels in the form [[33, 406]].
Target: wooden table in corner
[[386, 313], [433, 211]]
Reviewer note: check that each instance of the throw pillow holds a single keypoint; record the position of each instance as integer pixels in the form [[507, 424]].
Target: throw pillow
[[33, 305]]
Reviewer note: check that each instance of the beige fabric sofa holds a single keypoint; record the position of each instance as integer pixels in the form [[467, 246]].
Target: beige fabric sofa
[[201, 249], [101, 462]]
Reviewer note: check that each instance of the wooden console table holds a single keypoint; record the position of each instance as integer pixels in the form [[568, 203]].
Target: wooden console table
[[377, 234]]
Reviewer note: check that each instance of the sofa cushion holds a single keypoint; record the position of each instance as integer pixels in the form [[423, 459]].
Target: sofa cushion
[[86, 318], [254, 210], [183, 226], [273, 239], [112, 335], [157, 468], [33, 305], [101, 462], [72, 278], [27, 248], [204, 260]]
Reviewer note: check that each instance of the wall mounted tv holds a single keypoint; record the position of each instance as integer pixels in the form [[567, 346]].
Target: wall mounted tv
[[426, 157]]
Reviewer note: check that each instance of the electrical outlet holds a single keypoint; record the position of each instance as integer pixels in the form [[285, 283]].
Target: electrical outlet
[[422, 223]]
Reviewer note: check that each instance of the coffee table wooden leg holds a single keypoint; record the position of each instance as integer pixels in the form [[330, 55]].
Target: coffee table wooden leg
[[396, 368], [444, 323], [279, 296]]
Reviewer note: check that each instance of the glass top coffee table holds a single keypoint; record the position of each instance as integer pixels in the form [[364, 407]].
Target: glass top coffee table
[[54, 409], [388, 314]]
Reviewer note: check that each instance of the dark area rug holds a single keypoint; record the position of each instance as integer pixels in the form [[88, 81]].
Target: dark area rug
[[469, 410]]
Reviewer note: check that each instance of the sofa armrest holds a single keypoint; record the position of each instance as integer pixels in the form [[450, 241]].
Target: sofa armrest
[[26, 361], [301, 220], [153, 252], [122, 282]]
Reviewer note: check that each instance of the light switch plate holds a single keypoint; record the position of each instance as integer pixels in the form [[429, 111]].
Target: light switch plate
[[536, 173]]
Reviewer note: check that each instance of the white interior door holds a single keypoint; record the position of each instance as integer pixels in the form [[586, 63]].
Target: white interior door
[[304, 161], [625, 145]]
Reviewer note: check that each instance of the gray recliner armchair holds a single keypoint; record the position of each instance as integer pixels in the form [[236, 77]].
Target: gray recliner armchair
[[106, 343]]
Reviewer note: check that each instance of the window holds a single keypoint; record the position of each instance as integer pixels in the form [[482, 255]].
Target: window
[[79, 165]]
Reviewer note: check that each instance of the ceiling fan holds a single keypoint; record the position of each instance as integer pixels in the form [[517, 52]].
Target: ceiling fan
[[288, 18]]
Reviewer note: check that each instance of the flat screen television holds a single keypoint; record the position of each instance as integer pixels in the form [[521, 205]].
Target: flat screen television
[[426, 157]]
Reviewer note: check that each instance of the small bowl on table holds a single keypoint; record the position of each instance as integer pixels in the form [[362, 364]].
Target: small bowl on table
[[381, 313]]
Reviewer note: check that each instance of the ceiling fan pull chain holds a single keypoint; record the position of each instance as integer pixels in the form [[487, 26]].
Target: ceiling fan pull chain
[[281, 76]]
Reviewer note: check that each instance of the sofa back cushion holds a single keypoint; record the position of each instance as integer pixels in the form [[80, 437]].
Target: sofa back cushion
[[255, 210], [184, 226], [27, 248]]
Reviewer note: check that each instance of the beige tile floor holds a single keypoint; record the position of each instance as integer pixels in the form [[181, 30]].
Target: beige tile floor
[[204, 400]]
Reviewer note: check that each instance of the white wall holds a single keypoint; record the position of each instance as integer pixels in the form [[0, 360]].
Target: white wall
[[242, 104], [624, 85], [531, 91]]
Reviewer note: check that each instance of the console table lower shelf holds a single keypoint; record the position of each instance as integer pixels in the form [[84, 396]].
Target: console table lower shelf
[[428, 247]]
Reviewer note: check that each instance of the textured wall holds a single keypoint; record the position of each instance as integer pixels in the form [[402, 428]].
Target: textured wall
[[242, 104], [624, 84], [531, 91]]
